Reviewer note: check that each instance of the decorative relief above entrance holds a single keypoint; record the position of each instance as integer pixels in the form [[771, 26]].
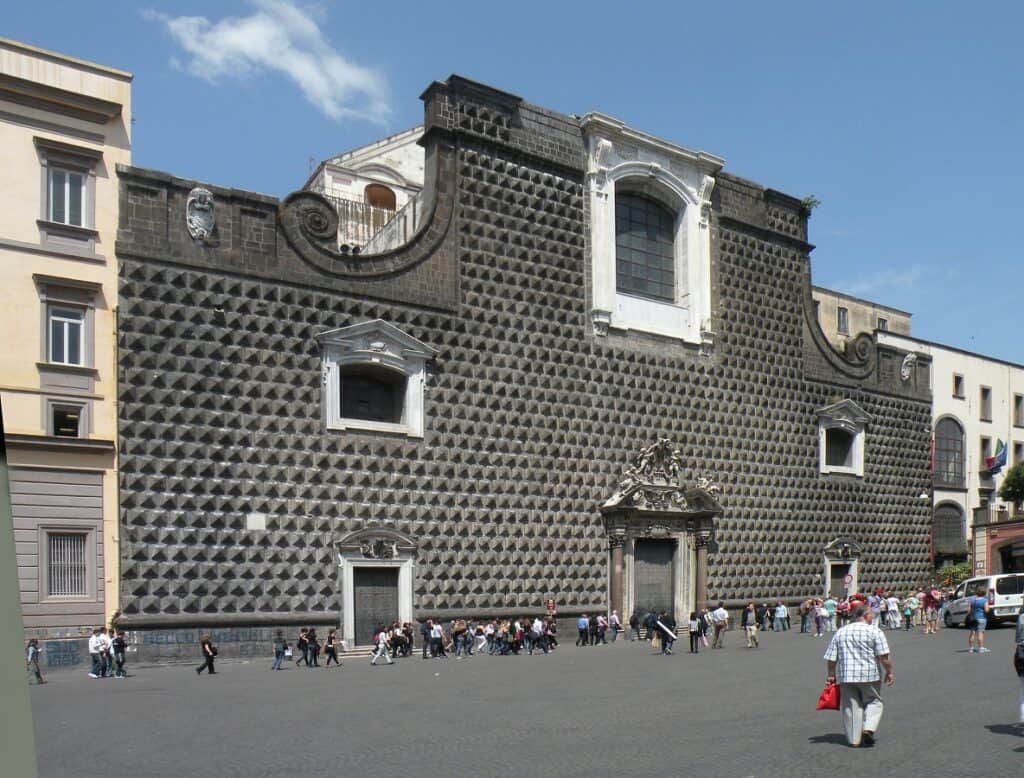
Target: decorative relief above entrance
[[651, 483]]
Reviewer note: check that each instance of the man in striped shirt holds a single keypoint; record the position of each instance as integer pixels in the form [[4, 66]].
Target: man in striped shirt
[[853, 657]]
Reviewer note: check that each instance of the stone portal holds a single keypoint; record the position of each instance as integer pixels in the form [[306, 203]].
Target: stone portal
[[658, 534]]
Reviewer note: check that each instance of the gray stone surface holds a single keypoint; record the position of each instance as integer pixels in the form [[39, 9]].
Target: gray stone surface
[[530, 419], [598, 711]]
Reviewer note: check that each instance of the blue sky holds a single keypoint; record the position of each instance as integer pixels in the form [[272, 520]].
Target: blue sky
[[905, 119]]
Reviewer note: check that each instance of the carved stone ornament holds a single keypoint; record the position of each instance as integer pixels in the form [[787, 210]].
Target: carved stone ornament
[[378, 548], [907, 368], [602, 320], [199, 215], [707, 483]]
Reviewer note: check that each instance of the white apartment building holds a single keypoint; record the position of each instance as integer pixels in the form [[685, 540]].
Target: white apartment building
[[977, 401]]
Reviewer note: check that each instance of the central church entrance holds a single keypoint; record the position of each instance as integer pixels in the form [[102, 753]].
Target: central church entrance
[[653, 575], [375, 581], [659, 531]]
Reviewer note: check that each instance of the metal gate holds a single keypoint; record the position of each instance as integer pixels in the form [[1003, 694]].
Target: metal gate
[[375, 599], [653, 579]]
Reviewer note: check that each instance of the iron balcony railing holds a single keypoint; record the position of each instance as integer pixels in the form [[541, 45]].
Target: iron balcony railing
[[996, 515]]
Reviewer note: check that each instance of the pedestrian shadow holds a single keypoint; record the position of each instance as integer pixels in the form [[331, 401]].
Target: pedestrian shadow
[[833, 738], [1008, 729]]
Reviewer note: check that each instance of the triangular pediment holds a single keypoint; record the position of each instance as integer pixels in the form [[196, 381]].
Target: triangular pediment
[[376, 336], [845, 410]]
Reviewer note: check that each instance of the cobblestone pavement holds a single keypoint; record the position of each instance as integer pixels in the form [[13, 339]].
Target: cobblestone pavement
[[597, 711]]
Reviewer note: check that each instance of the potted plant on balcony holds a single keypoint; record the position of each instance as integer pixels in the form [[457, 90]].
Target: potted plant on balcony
[[1012, 489]]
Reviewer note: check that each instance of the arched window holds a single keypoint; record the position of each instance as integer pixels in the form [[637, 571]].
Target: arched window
[[380, 196], [948, 538], [644, 256], [948, 468], [372, 393]]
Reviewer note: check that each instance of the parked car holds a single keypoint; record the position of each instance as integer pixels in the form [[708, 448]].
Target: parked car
[[1005, 593]]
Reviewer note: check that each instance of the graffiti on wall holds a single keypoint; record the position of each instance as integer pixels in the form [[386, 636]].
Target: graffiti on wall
[[62, 653]]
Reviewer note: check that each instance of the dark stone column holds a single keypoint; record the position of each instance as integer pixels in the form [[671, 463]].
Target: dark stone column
[[615, 545], [703, 538]]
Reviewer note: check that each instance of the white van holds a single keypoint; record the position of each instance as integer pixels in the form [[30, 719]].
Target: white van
[[1005, 593]]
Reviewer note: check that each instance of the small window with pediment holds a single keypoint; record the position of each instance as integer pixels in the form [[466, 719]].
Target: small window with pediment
[[842, 438], [374, 379]]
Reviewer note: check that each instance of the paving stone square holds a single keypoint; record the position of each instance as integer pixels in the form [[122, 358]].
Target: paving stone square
[[608, 710]]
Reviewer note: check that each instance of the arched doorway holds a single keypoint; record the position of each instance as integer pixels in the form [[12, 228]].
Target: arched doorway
[[949, 538]]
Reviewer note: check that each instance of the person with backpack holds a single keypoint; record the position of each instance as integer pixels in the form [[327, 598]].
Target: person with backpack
[[303, 645], [32, 661], [634, 627], [381, 640]]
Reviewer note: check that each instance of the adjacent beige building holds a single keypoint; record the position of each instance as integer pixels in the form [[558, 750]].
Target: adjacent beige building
[[843, 317], [65, 125]]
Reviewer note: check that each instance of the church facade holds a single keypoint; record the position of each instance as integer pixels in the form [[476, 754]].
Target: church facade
[[592, 378]]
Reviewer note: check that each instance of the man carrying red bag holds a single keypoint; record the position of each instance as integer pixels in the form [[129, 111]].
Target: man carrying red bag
[[853, 657]]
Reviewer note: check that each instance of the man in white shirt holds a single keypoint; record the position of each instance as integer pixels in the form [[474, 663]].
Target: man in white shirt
[[615, 624], [720, 622], [95, 651], [106, 653], [853, 657]]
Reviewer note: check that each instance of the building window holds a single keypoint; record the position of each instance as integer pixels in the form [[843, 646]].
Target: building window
[[650, 221], [374, 379], [67, 212], [948, 465], [66, 197], [883, 324], [958, 386], [380, 196], [817, 311], [1018, 410], [842, 321], [842, 438], [372, 393], [65, 420], [839, 448], [65, 333], [986, 451], [1018, 453], [985, 412], [67, 564], [948, 530], [644, 253]]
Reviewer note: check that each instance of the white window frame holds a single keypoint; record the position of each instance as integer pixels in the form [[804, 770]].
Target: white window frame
[[53, 314], [380, 344], [83, 192], [845, 415], [623, 159], [843, 320]]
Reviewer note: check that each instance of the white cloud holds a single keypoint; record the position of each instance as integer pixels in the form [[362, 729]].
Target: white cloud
[[871, 283], [279, 36]]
